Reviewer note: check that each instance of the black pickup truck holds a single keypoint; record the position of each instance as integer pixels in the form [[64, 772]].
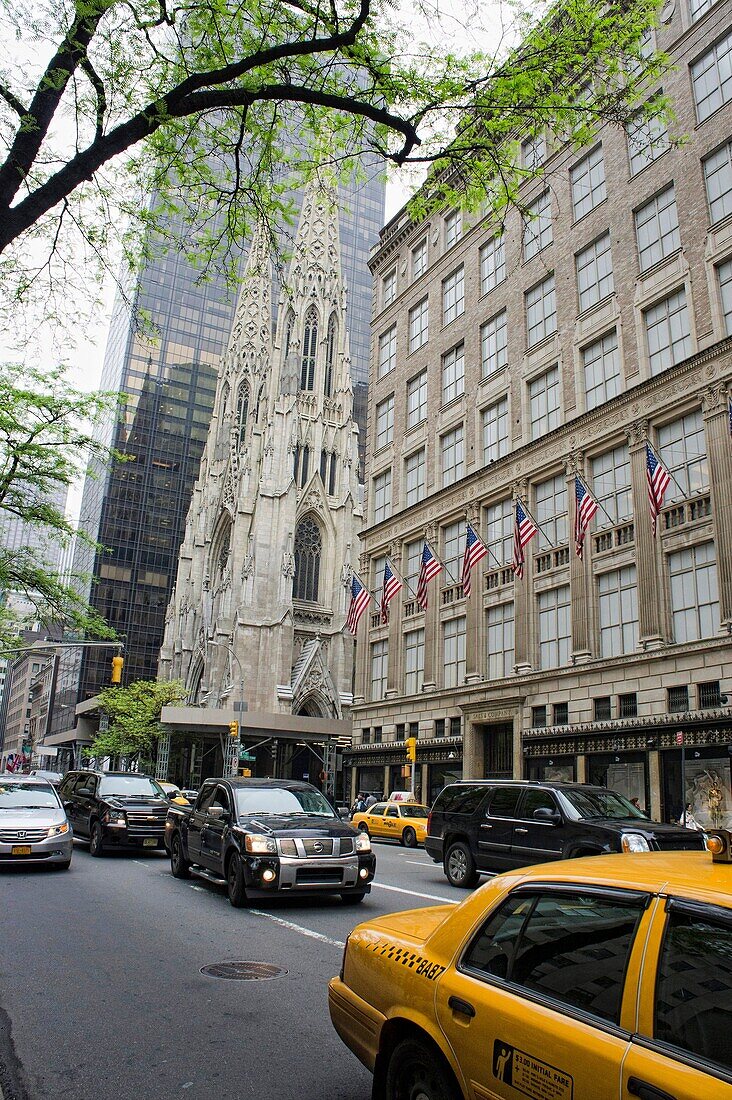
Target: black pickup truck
[[268, 836]]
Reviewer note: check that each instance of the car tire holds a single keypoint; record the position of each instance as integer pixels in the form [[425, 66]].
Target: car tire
[[96, 840], [460, 866], [409, 837], [415, 1070], [363, 827], [353, 899], [235, 887], [179, 865]]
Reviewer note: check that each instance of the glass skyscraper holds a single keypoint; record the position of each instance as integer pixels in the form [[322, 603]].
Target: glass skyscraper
[[137, 511]]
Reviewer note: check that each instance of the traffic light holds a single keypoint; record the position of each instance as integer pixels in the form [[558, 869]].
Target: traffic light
[[117, 663], [234, 729], [406, 771], [411, 746]]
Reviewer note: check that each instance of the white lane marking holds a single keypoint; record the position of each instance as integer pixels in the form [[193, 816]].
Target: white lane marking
[[201, 889], [415, 894], [416, 863], [297, 928]]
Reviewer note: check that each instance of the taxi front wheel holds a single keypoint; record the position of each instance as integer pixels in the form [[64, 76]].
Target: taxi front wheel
[[460, 865], [415, 1072]]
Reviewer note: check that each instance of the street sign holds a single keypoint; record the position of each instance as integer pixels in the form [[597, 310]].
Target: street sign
[[246, 757], [46, 750]]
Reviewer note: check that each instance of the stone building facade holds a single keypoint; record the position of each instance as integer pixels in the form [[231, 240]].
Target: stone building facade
[[508, 358], [255, 625]]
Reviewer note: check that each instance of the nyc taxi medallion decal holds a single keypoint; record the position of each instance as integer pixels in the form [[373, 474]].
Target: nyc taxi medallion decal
[[418, 963], [529, 1075]]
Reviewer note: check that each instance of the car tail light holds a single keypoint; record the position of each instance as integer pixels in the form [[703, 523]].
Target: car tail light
[[429, 820]]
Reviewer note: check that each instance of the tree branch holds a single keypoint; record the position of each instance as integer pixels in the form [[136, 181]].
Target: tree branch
[[98, 86], [13, 101]]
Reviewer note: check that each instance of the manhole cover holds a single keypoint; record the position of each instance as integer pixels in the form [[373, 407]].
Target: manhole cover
[[244, 971]]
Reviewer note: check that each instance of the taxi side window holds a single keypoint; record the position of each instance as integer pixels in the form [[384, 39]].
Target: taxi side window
[[504, 801], [378, 808], [573, 948], [392, 811], [693, 1010]]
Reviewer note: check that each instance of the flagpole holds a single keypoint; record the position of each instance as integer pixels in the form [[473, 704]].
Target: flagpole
[[659, 459], [535, 522], [444, 567], [501, 565], [403, 579], [597, 502]]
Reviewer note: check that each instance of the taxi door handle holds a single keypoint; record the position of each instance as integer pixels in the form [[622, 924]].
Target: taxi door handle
[[457, 1004], [645, 1091]]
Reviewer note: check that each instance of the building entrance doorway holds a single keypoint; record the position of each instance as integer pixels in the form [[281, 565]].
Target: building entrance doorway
[[498, 750]]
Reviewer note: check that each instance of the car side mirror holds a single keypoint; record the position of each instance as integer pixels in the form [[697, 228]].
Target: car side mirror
[[85, 791], [216, 811], [544, 813]]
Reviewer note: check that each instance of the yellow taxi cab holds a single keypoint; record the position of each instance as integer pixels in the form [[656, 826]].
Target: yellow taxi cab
[[173, 793], [600, 978], [402, 821]]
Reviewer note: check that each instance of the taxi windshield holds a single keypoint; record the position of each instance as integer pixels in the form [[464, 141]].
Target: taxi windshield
[[601, 803], [413, 811], [279, 800], [26, 796]]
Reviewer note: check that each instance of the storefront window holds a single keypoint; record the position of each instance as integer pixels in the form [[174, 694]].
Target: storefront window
[[621, 772], [370, 781], [548, 770], [439, 775], [707, 789]]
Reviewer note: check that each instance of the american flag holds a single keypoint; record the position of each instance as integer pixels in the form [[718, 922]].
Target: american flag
[[360, 597], [524, 530], [392, 584], [475, 550], [680, 737], [585, 507], [429, 569], [658, 479]]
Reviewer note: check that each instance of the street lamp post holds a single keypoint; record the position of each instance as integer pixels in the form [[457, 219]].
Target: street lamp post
[[229, 745]]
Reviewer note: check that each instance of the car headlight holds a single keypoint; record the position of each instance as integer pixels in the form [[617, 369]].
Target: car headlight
[[363, 842], [260, 845], [115, 817], [635, 842], [57, 830]]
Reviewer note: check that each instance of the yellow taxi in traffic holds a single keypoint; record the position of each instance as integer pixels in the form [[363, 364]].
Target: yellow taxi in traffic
[[601, 978], [173, 793], [402, 821]]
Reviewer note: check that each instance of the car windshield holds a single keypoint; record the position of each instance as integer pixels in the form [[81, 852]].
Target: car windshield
[[599, 803], [124, 786], [279, 800], [26, 796], [414, 811]]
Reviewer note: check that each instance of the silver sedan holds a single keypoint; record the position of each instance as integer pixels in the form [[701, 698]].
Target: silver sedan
[[33, 823]]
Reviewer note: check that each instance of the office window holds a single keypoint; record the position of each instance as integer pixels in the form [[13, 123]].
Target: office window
[[594, 273], [602, 709], [628, 705], [439, 728], [668, 334], [601, 365], [683, 446], [698, 7], [453, 228], [544, 403], [388, 288], [657, 229], [453, 295], [499, 641], [414, 562], [694, 598], [382, 496], [561, 714], [724, 275], [453, 652], [551, 510], [495, 430], [418, 325], [610, 486], [453, 545], [419, 259], [379, 664], [453, 373], [385, 421], [413, 661], [494, 344], [541, 311], [455, 726], [588, 183], [618, 611], [537, 225], [377, 577], [414, 474], [678, 699], [417, 399], [647, 140], [554, 627], [711, 78], [492, 263], [710, 697], [718, 180], [499, 529], [387, 351], [538, 717], [533, 151], [451, 450]]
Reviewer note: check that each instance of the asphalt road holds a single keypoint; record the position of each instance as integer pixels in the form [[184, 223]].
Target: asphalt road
[[102, 996]]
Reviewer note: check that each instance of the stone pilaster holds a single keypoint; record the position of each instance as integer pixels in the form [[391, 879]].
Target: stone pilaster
[[394, 679], [650, 633], [474, 661], [432, 623], [579, 578], [715, 405], [523, 599]]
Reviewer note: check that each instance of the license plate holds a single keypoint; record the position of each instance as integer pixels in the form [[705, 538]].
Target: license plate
[[21, 850], [148, 842]]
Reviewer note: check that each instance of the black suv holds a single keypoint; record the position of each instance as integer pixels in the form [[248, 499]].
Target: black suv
[[493, 825], [115, 809]]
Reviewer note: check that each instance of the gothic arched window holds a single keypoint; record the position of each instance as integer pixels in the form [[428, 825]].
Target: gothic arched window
[[309, 350], [224, 400], [242, 411], [308, 549], [330, 356]]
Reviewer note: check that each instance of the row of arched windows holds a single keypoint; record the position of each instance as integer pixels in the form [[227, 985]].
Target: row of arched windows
[[309, 351]]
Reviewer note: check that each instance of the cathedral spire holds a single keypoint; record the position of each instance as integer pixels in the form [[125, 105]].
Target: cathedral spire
[[248, 353]]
